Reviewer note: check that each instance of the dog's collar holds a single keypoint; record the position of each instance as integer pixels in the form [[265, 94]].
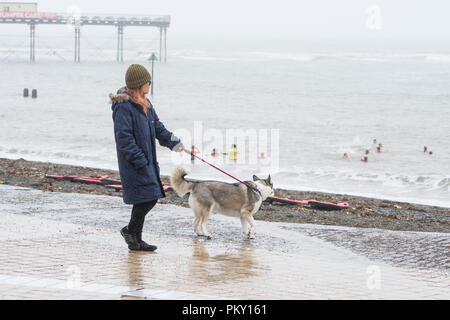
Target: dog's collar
[[259, 192], [254, 189]]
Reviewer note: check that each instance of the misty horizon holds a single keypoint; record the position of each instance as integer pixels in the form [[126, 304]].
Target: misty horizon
[[351, 23]]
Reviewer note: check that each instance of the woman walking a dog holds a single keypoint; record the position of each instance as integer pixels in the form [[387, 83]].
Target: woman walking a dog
[[136, 126]]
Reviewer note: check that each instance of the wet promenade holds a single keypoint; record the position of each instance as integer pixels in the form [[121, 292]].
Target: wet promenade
[[67, 246]]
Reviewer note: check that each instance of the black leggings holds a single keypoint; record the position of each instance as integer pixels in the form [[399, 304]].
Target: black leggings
[[138, 214]]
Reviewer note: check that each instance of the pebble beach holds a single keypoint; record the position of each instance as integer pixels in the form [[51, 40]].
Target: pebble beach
[[362, 212]]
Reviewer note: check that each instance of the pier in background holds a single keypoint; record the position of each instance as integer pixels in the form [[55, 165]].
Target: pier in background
[[77, 22]]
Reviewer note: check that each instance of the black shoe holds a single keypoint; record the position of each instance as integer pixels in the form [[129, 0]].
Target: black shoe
[[130, 239], [144, 246]]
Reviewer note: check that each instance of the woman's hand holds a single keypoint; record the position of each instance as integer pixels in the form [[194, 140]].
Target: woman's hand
[[180, 148]]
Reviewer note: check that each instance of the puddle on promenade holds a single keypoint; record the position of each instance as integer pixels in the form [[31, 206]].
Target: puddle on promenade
[[201, 262]]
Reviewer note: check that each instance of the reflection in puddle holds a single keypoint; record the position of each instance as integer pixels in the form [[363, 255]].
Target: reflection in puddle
[[135, 271], [203, 263], [236, 263]]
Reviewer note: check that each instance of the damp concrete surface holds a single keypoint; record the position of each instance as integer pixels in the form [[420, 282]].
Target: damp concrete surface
[[67, 246]]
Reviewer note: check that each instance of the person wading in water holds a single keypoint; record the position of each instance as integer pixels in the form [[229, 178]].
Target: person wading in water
[[136, 126]]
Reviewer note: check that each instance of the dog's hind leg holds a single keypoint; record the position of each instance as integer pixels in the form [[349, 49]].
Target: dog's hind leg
[[196, 225], [197, 220], [197, 214], [203, 219]]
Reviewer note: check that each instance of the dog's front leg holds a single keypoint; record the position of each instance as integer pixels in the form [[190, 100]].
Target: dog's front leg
[[251, 221], [244, 225]]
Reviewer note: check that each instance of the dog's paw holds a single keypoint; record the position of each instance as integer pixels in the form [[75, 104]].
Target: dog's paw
[[250, 235], [207, 235]]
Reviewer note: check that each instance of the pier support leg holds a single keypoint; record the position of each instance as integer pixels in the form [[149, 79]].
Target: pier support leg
[[121, 46], [32, 41], [165, 44], [77, 43], [120, 43], [160, 43]]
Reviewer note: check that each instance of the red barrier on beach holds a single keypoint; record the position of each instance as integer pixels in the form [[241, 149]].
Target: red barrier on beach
[[115, 184], [314, 203]]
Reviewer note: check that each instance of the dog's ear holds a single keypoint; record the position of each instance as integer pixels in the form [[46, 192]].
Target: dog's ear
[[269, 180], [255, 178]]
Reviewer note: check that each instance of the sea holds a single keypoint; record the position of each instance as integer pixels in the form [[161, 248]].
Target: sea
[[303, 104]]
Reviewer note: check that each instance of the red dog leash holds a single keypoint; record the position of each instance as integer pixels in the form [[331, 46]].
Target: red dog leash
[[244, 183]]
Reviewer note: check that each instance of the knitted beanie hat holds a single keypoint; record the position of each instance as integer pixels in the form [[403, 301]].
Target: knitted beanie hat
[[136, 76]]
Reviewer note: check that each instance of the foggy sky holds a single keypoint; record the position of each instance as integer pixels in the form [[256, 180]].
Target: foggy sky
[[398, 19], [324, 18]]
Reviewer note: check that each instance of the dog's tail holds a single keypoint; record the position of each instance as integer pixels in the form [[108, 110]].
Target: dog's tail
[[178, 182]]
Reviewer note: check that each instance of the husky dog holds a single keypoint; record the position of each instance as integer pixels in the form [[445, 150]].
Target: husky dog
[[235, 200]]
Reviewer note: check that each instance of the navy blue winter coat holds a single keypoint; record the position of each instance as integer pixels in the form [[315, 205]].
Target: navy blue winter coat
[[135, 133]]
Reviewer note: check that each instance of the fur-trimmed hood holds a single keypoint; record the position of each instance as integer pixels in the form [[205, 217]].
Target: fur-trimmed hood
[[121, 96], [118, 98]]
